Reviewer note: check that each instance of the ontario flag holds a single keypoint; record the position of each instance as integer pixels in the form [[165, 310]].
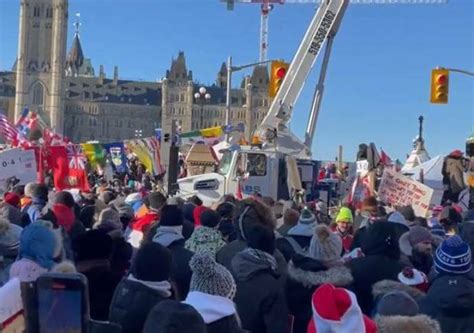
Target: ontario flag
[[66, 175]]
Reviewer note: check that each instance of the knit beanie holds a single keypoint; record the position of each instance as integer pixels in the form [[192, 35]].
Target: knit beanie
[[344, 215], [438, 230], [209, 277], [156, 200], [412, 237], [325, 244], [12, 199], [29, 189], [306, 217], [414, 278], [40, 191], [381, 239], [397, 217], [209, 218], [337, 310], [171, 216], [174, 317], [453, 256], [397, 303], [9, 236], [152, 263]]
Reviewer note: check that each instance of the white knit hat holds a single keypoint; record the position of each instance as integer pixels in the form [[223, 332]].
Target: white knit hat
[[325, 244]]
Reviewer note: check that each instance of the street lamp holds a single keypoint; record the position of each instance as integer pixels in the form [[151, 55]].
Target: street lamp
[[138, 134], [202, 97]]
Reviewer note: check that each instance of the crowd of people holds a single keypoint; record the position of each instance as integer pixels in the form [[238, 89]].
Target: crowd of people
[[158, 264]]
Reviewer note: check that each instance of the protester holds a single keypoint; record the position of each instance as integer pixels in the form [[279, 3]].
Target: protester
[[94, 252], [63, 209], [174, 317], [321, 265], [248, 213], [450, 299], [416, 247], [212, 290], [381, 262], [450, 219], [9, 245], [260, 297], [207, 236], [399, 223], [290, 219], [369, 217], [226, 224], [299, 236], [170, 235], [10, 209], [146, 285], [39, 199], [343, 228]]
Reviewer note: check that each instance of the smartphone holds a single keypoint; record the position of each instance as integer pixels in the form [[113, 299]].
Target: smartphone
[[62, 303]]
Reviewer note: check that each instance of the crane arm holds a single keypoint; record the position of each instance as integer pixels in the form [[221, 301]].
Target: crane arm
[[324, 23]]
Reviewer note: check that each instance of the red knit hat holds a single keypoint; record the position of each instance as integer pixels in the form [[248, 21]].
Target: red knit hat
[[336, 310], [414, 278], [12, 198]]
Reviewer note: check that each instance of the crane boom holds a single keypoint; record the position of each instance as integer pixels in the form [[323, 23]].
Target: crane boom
[[323, 25]]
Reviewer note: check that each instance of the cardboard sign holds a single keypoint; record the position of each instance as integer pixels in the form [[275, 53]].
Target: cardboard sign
[[19, 163], [362, 167], [399, 190]]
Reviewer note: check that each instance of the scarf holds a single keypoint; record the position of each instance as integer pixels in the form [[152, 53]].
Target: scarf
[[165, 235], [162, 287], [261, 256], [211, 307]]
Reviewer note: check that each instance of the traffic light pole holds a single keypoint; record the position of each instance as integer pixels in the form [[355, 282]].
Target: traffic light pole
[[230, 70], [462, 71]]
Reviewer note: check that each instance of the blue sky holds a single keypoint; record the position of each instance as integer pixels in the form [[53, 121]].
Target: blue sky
[[379, 74]]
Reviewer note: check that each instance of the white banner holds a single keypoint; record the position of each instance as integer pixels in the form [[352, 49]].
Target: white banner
[[399, 190], [17, 163]]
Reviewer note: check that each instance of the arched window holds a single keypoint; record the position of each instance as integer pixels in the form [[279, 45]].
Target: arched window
[[38, 94]]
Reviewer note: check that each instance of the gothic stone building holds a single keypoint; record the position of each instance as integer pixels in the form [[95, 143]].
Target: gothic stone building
[[67, 94]]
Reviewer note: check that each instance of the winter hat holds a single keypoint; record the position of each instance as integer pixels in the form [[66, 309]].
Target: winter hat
[[174, 317], [408, 213], [344, 215], [109, 220], [9, 237], [156, 200], [209, 218], [94, 245], [412, 237], [453, 256], [325, 244], [306, 217], [40, 191], [29, 189], [414, 278], [438, 230], [132, 198], [321, 207], [397, 217], [65, 198], [12, 199], [381, 239], [305, 226], [337, 310], [37, 243], [64, 216], [152, 263], [397, 303], [209, 277], [171, 216]]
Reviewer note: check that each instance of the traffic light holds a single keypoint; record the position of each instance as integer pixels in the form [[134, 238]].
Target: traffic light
[[277, 74], [439, 86]]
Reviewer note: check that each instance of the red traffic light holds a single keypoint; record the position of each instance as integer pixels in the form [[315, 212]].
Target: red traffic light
[[280, 73], [441, 79]]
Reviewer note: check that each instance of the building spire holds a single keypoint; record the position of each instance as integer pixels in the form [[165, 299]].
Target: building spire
[[77, 24]]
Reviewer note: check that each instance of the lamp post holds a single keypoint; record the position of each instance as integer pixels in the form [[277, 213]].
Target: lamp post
[[202, 97], [138, 133]]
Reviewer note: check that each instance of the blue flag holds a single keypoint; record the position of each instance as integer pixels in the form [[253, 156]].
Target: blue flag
[[116, 151]]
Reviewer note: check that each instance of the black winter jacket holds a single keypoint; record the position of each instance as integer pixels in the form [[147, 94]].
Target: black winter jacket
[[131, 303]]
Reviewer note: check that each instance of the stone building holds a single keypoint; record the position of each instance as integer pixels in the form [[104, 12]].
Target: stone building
[[65, 91]]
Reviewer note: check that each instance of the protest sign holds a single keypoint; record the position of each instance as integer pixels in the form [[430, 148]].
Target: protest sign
[[17, 163], [399, 190], [11, 308]]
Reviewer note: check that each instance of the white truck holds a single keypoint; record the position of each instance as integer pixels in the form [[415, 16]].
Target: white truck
[[282, 166]]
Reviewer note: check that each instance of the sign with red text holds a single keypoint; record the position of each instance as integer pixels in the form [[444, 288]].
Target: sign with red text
[[399, 190]]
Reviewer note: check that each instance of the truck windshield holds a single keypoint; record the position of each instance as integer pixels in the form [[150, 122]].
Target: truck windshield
[[224, 164]]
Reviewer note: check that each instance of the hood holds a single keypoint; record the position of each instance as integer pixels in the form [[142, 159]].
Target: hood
[[245, 267], [386, 286], [205, 235], [339, 276], [252, 211], [416, 324], [453, 295], [211, 307]]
